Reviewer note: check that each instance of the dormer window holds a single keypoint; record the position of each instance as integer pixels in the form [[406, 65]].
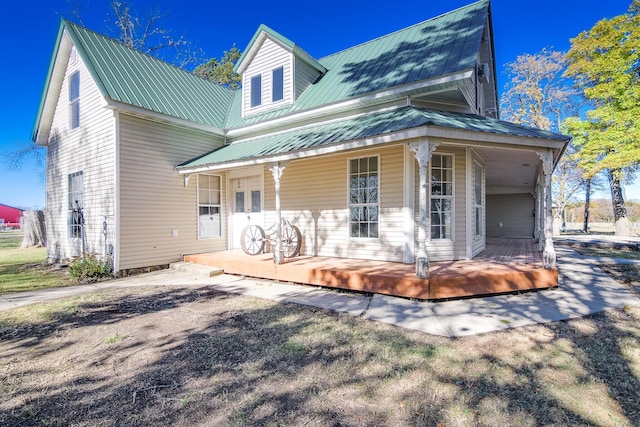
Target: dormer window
[[256, 91], [277, 84]]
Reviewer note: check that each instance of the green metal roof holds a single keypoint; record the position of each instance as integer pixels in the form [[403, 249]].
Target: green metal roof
[[366, 126], [126, 75], [439, 46]]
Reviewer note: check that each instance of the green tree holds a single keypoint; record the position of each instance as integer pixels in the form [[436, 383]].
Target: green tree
[[221, 71], [605, 63]]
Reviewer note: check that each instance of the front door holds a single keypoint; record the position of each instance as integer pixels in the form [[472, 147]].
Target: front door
[[246, 193]]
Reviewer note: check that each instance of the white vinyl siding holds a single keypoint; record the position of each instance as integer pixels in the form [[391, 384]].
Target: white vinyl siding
[[90, 148], [305, 75], [159, 216], [314, 198], [510, 215], [269, 57]]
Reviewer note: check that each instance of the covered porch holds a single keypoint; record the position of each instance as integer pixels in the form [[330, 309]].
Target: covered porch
[[506, 265]]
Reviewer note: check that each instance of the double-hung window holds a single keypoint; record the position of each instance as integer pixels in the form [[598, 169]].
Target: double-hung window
[[441, 196], [75, 197], [277, 84], [364, 199], [256, 91], [209, 207], [74, 100]]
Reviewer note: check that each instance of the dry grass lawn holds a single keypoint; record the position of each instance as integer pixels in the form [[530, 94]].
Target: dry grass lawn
[[194, 356]]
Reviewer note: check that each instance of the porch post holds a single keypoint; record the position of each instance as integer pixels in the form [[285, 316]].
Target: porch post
[[549, 253], [422, 151], [276, 170]]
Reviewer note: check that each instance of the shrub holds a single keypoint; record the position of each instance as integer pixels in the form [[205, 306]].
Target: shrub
[[89, 268]]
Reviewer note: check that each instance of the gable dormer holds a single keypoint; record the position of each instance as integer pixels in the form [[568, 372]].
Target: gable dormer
[[275, 72]]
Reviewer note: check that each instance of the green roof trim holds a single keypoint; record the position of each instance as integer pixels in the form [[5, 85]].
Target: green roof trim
[[366, 126], [285, 42], [126, 75], [47, 84]]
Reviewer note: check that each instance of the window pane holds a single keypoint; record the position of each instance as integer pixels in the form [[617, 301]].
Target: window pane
[[353, 166], [373, 195], [447, 175], [436, 161], [255, 201], [75, 114], [372, 214], [373, 229], [435, 219], [278, 84], [74, 86], [256, 91], [355, 230], [373, 164], [447, 162], [240, 201], [354, 214], [364, 165]]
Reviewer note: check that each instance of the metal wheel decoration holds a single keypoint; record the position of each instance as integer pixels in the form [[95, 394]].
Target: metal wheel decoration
[[291, 240], [252, 240]]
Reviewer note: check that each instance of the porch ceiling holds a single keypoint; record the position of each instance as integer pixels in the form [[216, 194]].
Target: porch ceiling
[[513, 170]]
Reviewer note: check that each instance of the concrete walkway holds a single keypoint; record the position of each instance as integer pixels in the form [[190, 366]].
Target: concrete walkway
[[584, 289]]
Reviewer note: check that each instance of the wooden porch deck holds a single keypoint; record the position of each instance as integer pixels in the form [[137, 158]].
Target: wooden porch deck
[[506, 265]]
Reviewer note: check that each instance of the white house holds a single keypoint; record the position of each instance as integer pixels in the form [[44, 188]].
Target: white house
[[390, 150]]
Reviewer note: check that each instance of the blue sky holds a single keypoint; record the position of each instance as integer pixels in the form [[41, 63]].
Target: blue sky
[[321, 28]]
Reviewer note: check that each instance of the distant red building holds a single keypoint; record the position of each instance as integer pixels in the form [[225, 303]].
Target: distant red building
[[10, 216]]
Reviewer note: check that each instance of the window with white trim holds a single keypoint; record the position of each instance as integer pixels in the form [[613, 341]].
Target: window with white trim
[[441, 208], [364, 206], [75, 197], [256, 91], [277, 84], [74, 100], [477, 199], [209, 206]]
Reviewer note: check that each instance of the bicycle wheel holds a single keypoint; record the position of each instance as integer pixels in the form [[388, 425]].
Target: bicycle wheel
[[252, 239], [291, 240]]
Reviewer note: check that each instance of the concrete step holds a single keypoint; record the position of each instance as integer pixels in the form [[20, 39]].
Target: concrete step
[[196, 269]]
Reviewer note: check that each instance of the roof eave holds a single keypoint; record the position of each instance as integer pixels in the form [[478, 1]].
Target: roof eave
[[164, 118]]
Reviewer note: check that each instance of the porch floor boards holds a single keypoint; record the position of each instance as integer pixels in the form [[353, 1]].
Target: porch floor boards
[[506, 265]]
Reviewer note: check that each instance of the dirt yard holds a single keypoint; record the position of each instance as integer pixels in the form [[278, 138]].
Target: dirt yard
[[194, 356]]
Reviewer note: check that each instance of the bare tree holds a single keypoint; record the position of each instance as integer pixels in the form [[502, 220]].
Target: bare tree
[[538, 95]]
